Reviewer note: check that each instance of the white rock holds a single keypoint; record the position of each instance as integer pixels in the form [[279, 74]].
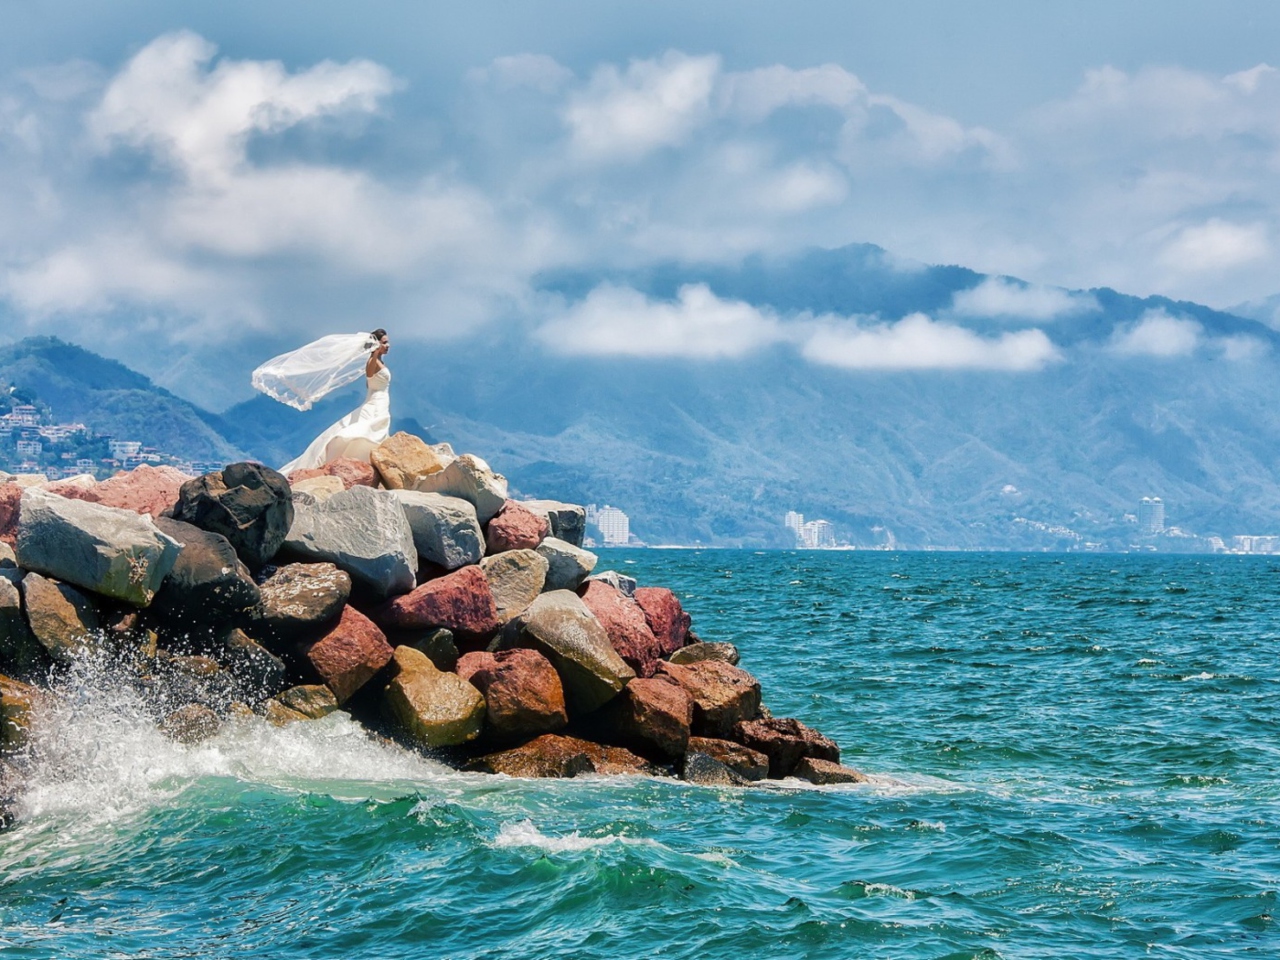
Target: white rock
[[567, 565], [470, 478], [446, 531]]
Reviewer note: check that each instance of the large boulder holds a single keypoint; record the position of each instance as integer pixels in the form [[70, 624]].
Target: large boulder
[[112, 552], [568, 520], [747, 763], [350, 654], [722, 695], [20, 652], [515, 527], [62, 618], [652, 717], [445, 529], [515, 577], [554, 755], [403, 459], [521, 689], [364, 532], [665, 616], [460, 602], [18, 705], [430, 707], [567, 565], [249, 504], [145, 489], [624, 622], [559, 626], [258, 672], [208, 584], [10, 506], [785, 742], [298, 599], [470, 478]]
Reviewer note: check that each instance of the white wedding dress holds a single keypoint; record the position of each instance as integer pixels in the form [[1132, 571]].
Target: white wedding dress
[[357, 434]]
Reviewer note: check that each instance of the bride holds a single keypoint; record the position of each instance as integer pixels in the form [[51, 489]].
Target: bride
[[305, 375]]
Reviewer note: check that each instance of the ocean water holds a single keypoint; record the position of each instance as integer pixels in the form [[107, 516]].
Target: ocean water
[[1073, 757]]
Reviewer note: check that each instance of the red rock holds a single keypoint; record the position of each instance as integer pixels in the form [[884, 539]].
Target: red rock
[[350, 654], [722, 695], [650, 716], [749, 763], [522, 690], [299, 475], [352, 473], [665, 616], [146, 489], [552, 755], [785, 742], [460, 602], [516, 527], [10, 499], [624, 622]]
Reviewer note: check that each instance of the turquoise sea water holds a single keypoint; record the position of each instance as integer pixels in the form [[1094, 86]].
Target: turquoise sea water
[[1074, 757]]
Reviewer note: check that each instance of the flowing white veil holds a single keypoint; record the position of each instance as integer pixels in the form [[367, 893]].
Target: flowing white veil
[[301, 377]]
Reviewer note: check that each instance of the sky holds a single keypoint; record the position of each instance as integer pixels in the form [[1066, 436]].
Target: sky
[[183, 176]]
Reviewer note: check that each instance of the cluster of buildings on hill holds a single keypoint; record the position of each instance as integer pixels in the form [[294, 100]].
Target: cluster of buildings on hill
[[31, 442], [614, 527], [811, 534]]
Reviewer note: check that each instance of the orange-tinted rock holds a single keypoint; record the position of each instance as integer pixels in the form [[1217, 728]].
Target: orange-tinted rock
[[665, 617], [552, 755], [522, 690], [516, 527], [652, 717], [10, 501], [352, 473], [825, 772], [748, 763], [146, 489], [625, 623], [722, 695], [299, 475], [785, 742], [350, 654], [460, 602], [431, 708]]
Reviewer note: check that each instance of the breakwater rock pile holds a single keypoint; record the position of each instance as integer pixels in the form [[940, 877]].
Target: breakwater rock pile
[[410, 592]]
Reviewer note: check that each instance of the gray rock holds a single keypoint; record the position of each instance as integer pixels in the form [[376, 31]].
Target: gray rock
[[708, 772], [619, 581], [568, 520], [207, 584], [445, 529], [470, 478], [116, 553], [694, 652], [439, 646], [259, 672], [516, 577], [567, 565], [560, 627], [249, 504], [362, 531]]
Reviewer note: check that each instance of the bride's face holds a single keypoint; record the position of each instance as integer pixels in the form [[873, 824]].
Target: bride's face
[[385, 343]]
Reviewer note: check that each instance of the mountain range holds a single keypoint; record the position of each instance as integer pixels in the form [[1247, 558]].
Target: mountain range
[[715, 450]]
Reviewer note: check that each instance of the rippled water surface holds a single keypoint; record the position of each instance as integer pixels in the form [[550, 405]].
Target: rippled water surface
[[1074, 757]]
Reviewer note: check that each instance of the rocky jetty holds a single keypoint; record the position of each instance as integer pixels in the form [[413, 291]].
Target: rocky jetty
[[411, 593]]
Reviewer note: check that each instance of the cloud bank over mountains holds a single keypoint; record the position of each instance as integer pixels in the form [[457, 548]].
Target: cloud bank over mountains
[[182, 195]]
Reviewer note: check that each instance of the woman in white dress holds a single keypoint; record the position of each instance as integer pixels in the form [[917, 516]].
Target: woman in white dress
[[358, 433]]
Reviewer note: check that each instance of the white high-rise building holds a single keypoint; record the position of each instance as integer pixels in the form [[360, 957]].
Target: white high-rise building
[[1151, 516], [817, 533], [794, 522], [615, 526]]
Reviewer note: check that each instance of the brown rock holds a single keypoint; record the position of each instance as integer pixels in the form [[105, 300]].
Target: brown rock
[[516, 527], [652, 717], [352, 473], [18, 705], [312, 700], [461, 602], [322, 487], [785, 742], [722, 695], [278, 714], [61, 617], [553, 755], [694, 652], [521, 689], [20, 652], [298, 599], [665, 616], [190, 724], [259, 672], [624, 621], [747, 763], [350, 654], [516, 577], [10, 502], [208, 583], [825, 772], [432, 708], [403, 459]]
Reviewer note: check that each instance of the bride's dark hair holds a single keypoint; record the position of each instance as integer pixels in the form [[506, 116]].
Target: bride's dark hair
[[378, 334]]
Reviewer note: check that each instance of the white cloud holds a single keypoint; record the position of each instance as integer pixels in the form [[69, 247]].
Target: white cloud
[[1242, 347], [917, 342], [655, 103], [1217, 245], [1157, 334], [1002, 298], [621, 321]]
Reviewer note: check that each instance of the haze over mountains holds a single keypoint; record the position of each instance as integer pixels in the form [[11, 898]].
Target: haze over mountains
[[924, 406]]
